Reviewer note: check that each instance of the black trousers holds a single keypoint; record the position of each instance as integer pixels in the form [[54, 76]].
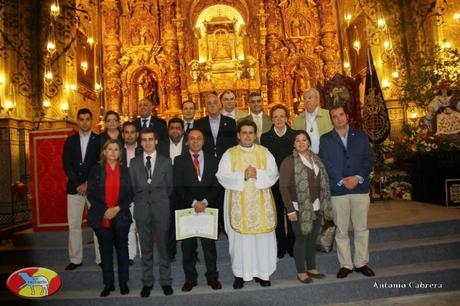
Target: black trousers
[[285, 240], [115, 236], [189, 247], [172, 243], [305, 245]]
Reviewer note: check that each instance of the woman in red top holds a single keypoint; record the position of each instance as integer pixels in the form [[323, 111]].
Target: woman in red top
[[110, 194]]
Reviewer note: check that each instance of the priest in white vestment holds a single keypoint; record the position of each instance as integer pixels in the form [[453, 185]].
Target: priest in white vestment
[[247, 171]]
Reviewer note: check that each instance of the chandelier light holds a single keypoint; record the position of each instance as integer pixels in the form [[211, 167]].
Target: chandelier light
[[356, 45], [381, 23], [55, 8]]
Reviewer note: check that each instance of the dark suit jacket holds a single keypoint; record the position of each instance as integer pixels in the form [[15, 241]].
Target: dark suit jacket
[[157, 124], [187, 185], [226, 137], [341, 162], [163, 146], [138, 151], [77, 170], [96, 197]]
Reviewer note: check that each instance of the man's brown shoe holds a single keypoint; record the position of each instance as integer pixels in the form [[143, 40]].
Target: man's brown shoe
[[215, 284], [188, 286]]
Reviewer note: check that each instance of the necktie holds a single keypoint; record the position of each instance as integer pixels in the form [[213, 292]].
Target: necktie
[[196, 163], [144, 123], [188, 126], [148, 165]]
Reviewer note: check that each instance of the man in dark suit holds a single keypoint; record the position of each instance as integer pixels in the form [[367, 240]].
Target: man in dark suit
[[219, 131], [196, 184], [81, 153], [130, 150], [146, 119], [152, 181], [174, 146], [188, 113], [219, 135], [347, 156]]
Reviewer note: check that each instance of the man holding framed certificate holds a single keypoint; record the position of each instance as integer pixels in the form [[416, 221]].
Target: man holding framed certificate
[[197, 187]]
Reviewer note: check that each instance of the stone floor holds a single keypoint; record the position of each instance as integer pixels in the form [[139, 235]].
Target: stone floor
[[393, 213], [437, 299]]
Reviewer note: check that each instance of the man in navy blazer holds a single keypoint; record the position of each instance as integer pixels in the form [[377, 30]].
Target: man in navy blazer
[[80, 154], [147, 120], [196, 185], [347, 155]]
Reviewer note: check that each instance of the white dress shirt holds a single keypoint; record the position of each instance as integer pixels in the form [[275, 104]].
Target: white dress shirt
[[153, 156], [84, 140], [312, 130], [175, 149]]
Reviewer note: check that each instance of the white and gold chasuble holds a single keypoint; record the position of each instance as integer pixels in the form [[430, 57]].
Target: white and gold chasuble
[[251, 211]]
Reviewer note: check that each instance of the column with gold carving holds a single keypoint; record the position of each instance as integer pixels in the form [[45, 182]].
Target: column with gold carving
[[275, 73], [179, 21], [328, 38], [170, 57], [111, 44]]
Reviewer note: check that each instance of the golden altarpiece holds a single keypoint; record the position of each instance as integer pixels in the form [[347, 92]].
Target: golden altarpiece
[[170, 51]]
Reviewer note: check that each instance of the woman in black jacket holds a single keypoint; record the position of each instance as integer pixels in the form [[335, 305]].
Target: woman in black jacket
[[110, 194]]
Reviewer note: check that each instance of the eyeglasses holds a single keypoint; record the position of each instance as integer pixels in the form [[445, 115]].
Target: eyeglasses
[[279, 117]]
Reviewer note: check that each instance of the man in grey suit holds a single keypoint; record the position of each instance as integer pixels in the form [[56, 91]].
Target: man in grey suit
[[152, 181]]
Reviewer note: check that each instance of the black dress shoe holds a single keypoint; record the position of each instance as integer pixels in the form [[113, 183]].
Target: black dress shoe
[[365, 270], [316, 275], [343, 272], [145, 292], [107, 290], [280, 254], [263, 283], [124, 289], [131, 262], [215, 284], [167, 290], [188, 286], [238, 283], [71, 266]]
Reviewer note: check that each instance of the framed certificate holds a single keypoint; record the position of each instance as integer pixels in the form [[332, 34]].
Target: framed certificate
[[191, 224]]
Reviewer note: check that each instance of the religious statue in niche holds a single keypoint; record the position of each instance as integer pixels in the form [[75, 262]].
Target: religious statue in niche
[[147, 87], [443, 114], [146, 35], [222, 48], [299, 27], [301, 79]]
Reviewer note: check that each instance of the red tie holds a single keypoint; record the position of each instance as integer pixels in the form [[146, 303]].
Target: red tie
[[196, 162]]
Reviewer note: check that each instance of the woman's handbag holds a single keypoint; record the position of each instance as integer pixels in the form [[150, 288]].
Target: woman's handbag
[[326, 237]]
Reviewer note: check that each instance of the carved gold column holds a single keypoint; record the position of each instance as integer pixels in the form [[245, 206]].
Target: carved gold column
[[111, 45], [275, 73], [328, 38], [171, 64], [179, 20]]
